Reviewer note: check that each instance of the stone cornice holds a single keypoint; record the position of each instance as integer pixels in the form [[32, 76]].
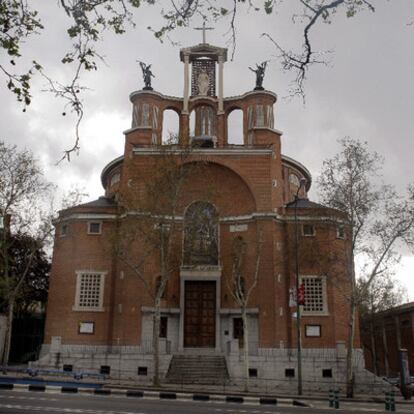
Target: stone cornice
[[134, 94], [299, 167], [249, 93], [223, 220], [206, 151]]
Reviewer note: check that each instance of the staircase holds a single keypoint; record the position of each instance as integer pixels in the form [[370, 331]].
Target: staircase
[[199, 369]]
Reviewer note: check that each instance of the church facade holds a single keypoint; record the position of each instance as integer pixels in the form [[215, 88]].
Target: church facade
[[101, 307]]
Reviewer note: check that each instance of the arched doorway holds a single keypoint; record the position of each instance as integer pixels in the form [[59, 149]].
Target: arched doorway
[[200, 293]]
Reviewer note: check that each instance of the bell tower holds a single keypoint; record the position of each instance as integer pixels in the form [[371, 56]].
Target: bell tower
[[203, 91], [204, 59]]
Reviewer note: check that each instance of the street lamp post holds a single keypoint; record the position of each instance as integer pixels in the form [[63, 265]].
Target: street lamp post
[[298, 315]]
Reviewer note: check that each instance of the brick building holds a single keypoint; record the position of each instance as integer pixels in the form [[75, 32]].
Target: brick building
[[384, 334], [100, 315]]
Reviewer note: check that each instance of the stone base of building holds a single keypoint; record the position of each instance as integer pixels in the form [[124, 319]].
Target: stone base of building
[[271, 369]]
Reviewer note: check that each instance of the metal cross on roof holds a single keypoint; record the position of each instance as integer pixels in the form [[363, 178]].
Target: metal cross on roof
[[204, 28]]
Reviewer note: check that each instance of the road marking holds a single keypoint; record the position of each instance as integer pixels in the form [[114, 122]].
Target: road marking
[[12, 397], [229, 410], [66, 410]]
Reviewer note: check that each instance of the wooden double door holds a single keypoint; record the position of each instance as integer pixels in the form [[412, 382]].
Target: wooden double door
[[200, 314]]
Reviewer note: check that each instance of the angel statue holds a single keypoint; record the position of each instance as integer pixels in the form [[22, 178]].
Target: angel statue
[[260, 72], [146, 74]]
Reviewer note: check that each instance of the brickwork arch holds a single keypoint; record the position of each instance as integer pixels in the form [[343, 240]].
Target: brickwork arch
[[203, 119], [220, 185]]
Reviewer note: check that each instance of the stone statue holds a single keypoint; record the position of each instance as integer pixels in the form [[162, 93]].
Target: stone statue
[[146, 74], [260, 72], [203, 82]]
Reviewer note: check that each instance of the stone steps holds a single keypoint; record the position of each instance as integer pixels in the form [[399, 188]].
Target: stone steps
[[200, 369]]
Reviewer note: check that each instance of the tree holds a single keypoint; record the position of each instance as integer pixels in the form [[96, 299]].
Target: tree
[[384, 292], [149, 227], [34, 288], [379, 220], [241, 287], [20, 21], [26, 219]]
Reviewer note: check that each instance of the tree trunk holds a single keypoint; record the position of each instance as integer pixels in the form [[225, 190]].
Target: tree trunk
[[350, 351], [155, 342], [373, 348], [8, 334], [245, 349]]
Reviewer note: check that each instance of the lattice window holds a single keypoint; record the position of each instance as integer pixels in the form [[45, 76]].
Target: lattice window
[[89, 291], [315, 295], [270, 117], [203, 69], [250, 117], [145, 115], [260, 116]]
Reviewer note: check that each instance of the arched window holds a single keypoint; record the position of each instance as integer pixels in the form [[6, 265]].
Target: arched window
[[200, 234], [235, 127], [170, 127], [202, 121]]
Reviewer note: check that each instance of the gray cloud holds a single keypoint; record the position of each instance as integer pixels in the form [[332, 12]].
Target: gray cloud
[[366, 91]]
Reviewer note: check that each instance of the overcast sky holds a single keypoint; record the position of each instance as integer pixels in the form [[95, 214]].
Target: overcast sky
[[366, 91]]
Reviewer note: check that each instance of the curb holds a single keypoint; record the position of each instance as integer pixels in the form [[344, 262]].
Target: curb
[[162, 395]]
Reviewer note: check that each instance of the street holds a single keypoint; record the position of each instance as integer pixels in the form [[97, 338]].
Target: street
[[19, 402]]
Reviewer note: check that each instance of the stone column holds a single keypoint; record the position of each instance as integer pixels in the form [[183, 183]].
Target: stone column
[[220, 85], [186, 83]]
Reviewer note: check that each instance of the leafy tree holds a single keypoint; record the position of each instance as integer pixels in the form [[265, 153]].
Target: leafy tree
[[34, 288], [383, 293], [20, 20], [380, 221], [26, 221]]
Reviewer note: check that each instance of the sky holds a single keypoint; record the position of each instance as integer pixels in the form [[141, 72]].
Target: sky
[[365, 90]]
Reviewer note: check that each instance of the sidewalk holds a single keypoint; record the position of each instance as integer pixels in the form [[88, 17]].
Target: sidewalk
[[198, 392], [237, 390]]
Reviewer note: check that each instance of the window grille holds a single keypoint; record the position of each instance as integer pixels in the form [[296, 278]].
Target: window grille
[[315, 297], [270, 117], [260, 116], [145, 115], [90, 291]]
